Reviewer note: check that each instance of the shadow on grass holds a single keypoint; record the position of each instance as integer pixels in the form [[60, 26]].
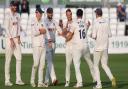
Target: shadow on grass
[[120, 84], [106, 84], [73, 83], [88, 85]]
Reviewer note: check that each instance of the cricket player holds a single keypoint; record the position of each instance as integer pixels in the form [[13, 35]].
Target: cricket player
[[52, 27], [39, 50], [80, 47], [68, 51], [12, 26], [101, 34]]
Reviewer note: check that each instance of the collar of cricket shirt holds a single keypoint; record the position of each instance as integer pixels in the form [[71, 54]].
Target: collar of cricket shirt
[[70, 22], [49, 20], [13, 14]]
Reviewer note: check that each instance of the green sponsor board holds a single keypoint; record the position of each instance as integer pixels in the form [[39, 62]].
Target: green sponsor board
[[45, 1]]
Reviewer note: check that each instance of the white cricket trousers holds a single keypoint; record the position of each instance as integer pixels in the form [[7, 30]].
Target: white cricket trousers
[[69, 58], [78, 52], [103, 57], [38, 63], [8, 55], [50, 71]]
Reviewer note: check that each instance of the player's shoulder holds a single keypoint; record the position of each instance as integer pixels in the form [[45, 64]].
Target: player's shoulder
[[46, 21], [103, 20], [8, 12], [106, 20], [43, 21], [75, 25], [74, 22], [81, 21]]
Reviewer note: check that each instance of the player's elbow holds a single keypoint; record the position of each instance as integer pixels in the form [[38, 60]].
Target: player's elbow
[[69, 37]]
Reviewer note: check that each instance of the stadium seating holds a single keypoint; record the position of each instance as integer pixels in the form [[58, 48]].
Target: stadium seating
[[113, 21], [113, 28], [120, 28], [62, 13], [1, 16], [89, 16], [56, 14], [28, 30], [127, 13], [105, 12], [93, 12], [88, 13], [73, 13], [88, 10], [117, 28], [32, 10], [24, 16]]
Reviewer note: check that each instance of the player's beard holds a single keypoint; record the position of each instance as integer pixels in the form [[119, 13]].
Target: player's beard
[[13, 10], [49, 18], [69, 19]]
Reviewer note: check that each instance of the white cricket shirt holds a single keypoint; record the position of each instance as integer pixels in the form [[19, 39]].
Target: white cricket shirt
[[70, 27], [101, 33], [12, 24], [52, 27], [80, 32], [37, 38]]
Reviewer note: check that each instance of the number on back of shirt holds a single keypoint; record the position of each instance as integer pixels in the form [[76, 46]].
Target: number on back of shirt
[[82, 34]]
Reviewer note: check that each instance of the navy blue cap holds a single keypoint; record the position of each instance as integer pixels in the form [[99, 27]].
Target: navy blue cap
[[12, 3], [98, 11], [39, 10], [50, 10]]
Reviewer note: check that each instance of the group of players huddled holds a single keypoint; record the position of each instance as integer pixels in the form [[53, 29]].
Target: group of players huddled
[[43, 32]]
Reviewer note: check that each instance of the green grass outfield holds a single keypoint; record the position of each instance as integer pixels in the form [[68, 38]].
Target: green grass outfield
[[118, 64]]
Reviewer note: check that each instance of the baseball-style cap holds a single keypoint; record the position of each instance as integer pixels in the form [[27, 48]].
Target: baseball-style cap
[[12, 3], [39, 10], [98, 11], [50, 10]]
